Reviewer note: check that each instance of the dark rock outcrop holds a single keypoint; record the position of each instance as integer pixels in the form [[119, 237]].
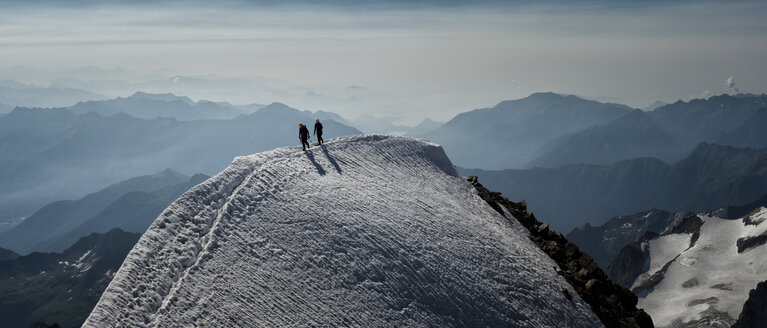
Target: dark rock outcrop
[[613, 304], [604, 242], [630, 262], [648, 285], [748, 242], [754, 314], [691, 225], [633, 259]]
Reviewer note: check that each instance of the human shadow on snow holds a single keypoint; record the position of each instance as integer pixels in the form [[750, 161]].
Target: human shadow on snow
[[310, 156], [331, 159]]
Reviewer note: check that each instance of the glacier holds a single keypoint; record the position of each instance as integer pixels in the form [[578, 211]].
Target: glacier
[[703, 278], [368, 230]]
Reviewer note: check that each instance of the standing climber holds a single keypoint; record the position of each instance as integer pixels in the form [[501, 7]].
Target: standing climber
[[303, 134], [318, 132]]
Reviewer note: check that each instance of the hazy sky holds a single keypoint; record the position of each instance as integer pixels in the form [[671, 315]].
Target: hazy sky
[[414, 59]]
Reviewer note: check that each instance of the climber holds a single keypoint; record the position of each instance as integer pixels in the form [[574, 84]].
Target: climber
[[318, 132], [303, 134]]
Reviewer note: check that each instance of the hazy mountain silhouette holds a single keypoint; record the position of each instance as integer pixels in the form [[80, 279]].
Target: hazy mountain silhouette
[[422, 128], [61, 287], [654, 106], [752, 133], [14, 93], [7, 254], [50, 154], [707, 119], [669, 133], [57, 220], [509, 134], [568, 196], [373, 124], [150, 106], [634, 135], [133, 212]]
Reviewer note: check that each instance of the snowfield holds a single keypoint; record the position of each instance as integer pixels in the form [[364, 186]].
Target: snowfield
[[708, 283], [372, 230]]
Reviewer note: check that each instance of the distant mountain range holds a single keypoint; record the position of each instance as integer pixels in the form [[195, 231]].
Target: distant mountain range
[[130, 205], [150, 106], [509, 134], [62, 287], [549, 130], [568, 196], [654, 105], [7, 254], [634, 135], [423, 128], [14, 93], [52, 154], [668, 133], [749, 134]]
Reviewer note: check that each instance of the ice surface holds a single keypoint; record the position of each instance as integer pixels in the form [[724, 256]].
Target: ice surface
[[709, 278], [363, 231]]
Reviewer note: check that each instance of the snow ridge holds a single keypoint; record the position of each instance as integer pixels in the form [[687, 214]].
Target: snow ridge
[[366, 230]]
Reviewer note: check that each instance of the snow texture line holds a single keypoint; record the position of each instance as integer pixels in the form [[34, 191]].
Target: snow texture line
[[208, 241], [209, 238]]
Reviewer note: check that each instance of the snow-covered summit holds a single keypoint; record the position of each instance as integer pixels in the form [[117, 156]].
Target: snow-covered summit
[[366, 230]]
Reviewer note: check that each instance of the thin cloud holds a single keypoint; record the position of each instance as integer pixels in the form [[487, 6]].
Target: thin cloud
[[731, 84]]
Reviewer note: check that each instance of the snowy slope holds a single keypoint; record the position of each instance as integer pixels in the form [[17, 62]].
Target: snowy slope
[[367, 230], [705, 284]]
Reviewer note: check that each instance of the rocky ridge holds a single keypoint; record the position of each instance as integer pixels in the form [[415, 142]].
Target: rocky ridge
[[753, 314], [613, 304]]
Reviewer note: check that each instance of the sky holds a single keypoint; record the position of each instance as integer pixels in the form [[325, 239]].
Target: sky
[[401, 59]]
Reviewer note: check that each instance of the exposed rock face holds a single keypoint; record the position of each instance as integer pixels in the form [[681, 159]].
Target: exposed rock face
[[748, 242], [630, 262], [647, 285], [754, 314], [698, 271], [613, 304], [633, 259], [691, 225], [604, 242]]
